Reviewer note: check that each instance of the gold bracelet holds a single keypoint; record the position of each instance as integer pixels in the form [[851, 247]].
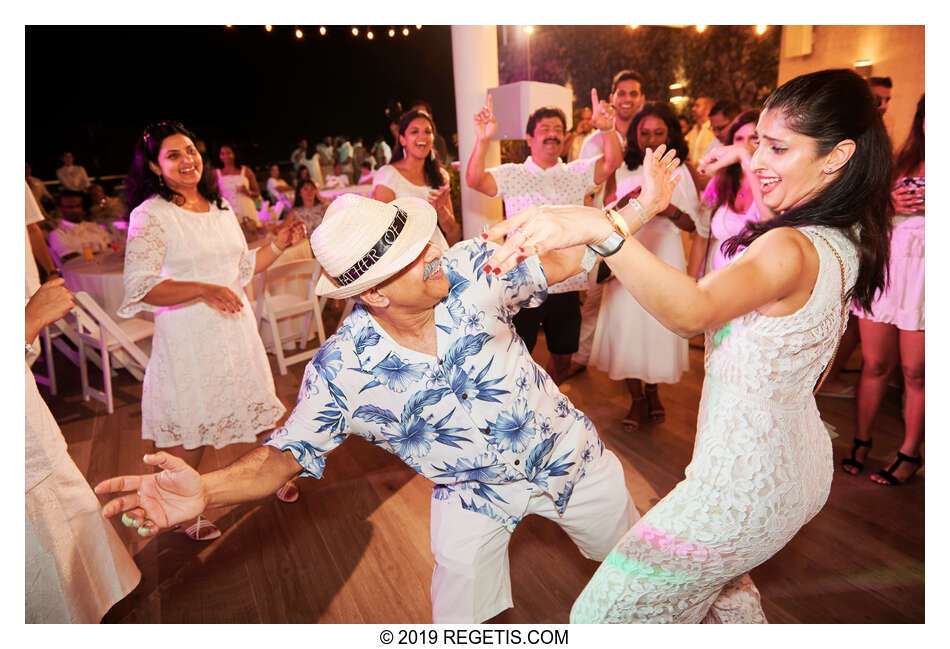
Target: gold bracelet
[[618, 222]]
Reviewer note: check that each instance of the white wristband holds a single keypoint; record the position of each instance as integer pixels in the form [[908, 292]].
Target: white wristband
[[278, 251], [640, 211]]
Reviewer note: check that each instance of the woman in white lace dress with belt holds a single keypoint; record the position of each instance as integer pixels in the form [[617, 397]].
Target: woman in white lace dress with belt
[[208, 382], [762, 462]]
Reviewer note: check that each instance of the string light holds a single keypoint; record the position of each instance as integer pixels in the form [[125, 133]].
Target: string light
[[418, 26], [634, 26], [528, 29], [405, 31], [760, 29], [299, 33], [392, 32], [355, 31], [369, 35], [268, 27], [229, 26], [323, 30], [700, 28]]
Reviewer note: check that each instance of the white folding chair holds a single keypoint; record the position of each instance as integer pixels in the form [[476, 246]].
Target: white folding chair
[[97, 329], [46, 336], [277, 300]]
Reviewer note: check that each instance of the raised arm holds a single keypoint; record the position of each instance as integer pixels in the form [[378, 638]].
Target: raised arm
[[603, 120], [475, 175], [776, 272]]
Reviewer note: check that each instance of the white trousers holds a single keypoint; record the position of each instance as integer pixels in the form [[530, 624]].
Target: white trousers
[[471, 581]]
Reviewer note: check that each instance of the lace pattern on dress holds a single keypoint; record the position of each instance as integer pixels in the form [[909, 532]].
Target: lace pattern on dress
[[144, 255]]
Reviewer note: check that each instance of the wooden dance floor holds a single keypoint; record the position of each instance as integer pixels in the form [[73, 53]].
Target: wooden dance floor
[[355, 547]]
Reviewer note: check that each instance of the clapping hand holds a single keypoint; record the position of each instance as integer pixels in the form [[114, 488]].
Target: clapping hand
[[603, 118], [485, 122], [50, 303], [906, 199], [159, 500], [290, 232]]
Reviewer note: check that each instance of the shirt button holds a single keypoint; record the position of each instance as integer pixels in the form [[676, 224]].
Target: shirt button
[[488, 431], [464, 395], [517, 462], [440, 361]]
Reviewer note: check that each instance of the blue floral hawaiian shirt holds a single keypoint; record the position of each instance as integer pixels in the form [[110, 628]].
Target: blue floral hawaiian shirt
[[482, 421]]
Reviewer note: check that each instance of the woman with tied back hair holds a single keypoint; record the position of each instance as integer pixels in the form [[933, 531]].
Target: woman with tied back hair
[[415, 171], [893, 328], [734, 194], [208, 382], [629, 344], [762, 463]]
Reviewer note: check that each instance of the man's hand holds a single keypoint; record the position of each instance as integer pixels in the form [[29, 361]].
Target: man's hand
[[159, 500], [603, 118], [50, 303], [485, 122]]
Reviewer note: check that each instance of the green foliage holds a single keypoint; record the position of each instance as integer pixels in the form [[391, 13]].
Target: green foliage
[[719, 62]]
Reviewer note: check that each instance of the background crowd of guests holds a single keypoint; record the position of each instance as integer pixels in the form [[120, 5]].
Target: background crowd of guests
[[588, 319]]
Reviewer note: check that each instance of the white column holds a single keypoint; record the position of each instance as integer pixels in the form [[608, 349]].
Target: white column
[[475, 69]]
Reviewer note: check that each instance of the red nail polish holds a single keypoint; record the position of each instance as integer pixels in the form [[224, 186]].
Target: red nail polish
[[520, 249], [484, 235], [497, 271], [486, 269]]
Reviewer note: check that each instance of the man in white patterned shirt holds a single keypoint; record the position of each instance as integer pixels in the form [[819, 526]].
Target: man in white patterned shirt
[[544, 180], [428, 367]]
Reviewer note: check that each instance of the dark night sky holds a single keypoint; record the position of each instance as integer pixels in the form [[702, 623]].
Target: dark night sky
[[264, 91]]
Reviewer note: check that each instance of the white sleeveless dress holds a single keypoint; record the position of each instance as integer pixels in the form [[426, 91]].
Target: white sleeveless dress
[[761, 467]]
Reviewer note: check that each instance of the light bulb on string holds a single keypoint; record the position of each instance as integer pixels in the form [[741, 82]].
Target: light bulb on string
[[355, 31], [760, 29], [392, 32], [323, 30], [298, 33], [418, 26], [529, 29], [268, 27], [369, 35], [700, 28], [405, 31]]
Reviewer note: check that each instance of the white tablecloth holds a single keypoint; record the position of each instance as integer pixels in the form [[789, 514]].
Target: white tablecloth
[[333, 192], [101, 278]]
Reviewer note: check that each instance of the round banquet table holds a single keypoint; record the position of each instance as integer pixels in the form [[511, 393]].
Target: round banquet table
[[333, 192], [101, 278]]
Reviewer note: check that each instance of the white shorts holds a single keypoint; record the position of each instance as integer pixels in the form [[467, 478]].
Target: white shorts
[[471, 581]]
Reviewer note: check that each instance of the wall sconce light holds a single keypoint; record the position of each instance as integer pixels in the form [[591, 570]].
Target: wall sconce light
[[863, 67]]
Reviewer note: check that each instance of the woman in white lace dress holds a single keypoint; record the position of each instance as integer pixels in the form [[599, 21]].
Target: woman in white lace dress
[[208, 382], [762, 462]]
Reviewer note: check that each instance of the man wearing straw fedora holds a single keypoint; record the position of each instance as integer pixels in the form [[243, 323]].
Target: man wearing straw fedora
[[429, 367]]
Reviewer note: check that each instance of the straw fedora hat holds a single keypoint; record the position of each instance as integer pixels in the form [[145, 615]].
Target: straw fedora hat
[[362, 242]]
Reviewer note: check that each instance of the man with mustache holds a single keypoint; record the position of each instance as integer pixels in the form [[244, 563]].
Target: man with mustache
[[428, 367], [543, 179]]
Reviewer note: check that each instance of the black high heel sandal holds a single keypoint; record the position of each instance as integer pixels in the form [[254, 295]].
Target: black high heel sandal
[[852, 461], [888, 473]]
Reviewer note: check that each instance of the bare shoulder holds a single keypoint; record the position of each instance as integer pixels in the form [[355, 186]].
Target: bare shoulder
[[787, 255]]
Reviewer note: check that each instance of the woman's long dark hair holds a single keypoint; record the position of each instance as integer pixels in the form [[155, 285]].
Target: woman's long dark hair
[[729, 180], [298, 199], [831, 106], [632, 155], [141, 182], [912, 152], [431, 168]]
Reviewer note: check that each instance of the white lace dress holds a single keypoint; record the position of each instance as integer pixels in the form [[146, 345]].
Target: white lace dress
[[761, 468], [208, 381]]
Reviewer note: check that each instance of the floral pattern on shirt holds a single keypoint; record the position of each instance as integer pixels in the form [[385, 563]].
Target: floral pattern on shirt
[[481, 420]]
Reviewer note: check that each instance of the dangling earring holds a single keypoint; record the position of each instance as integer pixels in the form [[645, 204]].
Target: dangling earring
[[161, 181], [432, 153]]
